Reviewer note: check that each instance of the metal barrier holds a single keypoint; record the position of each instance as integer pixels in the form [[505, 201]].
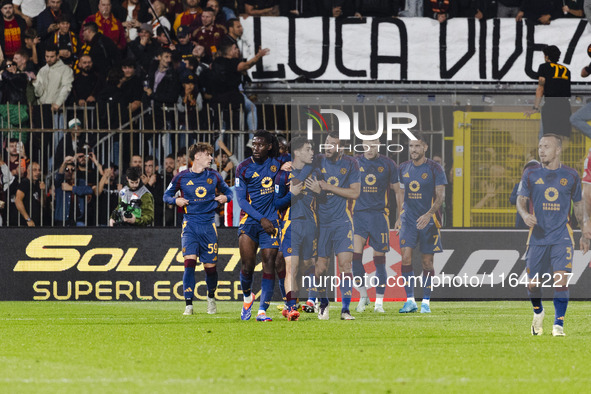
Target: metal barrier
[[490, 150], [108, 138]]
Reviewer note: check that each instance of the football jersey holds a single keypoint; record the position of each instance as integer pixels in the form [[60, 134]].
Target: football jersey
[[255, 188], [418, 183], [200, 190], [341, 173], [376, 177], [302, 205], [557, 78], [550, 192]]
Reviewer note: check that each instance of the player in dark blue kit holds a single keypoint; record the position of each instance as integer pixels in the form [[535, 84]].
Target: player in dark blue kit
[[259, 227], [198, 186], [422, 184], [550, 186], [340, 183], [295, 193], [379, 175]]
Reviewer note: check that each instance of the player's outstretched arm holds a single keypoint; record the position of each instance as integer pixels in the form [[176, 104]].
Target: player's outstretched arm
[[350, 193], [529, 219], [423, 220]]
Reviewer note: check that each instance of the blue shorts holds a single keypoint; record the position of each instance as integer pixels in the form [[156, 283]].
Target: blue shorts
[[335, 238], [200, 240], [428, 238], [257, 234], [375, 226], [540, 258], [303, 240]]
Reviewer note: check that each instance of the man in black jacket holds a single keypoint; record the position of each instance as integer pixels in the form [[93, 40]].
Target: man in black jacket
[[103, 50], [164, 88]]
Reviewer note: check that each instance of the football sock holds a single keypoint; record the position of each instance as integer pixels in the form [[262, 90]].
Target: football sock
[[312, 291], [189, 280], [380, 263], [536, 300], [359, 272], [425, 301], [281, 276], [561, 295], [346, 286], [322, 295], [427, 275], [211, 279], [409, 285], [246, 284], [291, 301], [267, 287]]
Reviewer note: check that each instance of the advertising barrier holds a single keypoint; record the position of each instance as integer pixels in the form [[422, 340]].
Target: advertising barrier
[[119, 264]]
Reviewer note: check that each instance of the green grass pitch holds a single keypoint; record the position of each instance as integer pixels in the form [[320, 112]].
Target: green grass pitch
[[147, 347]]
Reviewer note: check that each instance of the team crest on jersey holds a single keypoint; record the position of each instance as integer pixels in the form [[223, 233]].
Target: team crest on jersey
[[267, 182], [406, 175], [380, 169], [343, 171], [255, 175], [200, 192], [551, 194], [414, 186], [370, 179], [563, 181], [424, 176], [540, 181], [209, 181], [333, 180], [273, 168], [190, 183]]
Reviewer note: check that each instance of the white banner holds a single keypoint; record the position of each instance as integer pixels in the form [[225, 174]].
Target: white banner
[[411, 49]]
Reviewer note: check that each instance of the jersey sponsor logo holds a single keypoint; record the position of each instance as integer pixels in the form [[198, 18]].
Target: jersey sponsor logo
[[209, 181], [551, 194], [564, 182], [343, 171], [424, 176], [569, 265], [323, 171], [190, 183], [437, 249], [333, 180], [414, 186], [255, 175], [290, 176], [540, 181], [273, 168], [370, 179], [361, 169], [200, 192], [267, 182], [406, 175], [275, 243], [380, 169]]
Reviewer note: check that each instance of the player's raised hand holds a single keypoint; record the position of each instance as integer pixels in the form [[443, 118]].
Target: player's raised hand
[[584, 244], [295, 189], [286, 166], [423, 221], [313, 184], [181, 202], [222, 199], [268, 226], [530, 220]]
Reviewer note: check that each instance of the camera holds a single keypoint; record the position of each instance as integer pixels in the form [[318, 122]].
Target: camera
[[128, 210]]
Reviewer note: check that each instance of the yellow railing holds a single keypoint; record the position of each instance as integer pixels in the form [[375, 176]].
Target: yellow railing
[[490, 150]]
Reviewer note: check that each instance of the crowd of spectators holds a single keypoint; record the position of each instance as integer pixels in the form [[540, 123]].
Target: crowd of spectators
[[132, 60]]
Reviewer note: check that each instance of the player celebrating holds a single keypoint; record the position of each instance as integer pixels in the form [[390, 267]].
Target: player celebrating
[[379, 174], [550, 186], [423, 181], [198, 186], [295, 192], [259, 226], [335, 233]]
